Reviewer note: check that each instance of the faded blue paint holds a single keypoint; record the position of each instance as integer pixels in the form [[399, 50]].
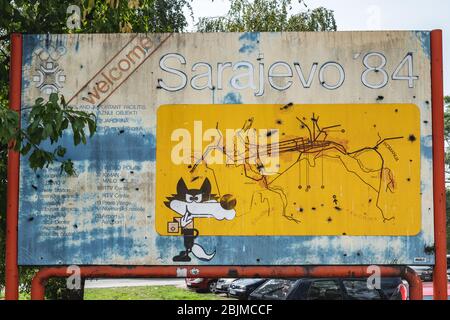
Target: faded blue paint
[[426, 149], [249, 42], [232, 98], [425, 41], [95, 242]]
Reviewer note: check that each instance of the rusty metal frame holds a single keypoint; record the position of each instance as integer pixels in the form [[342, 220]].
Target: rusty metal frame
[[45, 273], [41, 277], [440, 214], [12, 209]]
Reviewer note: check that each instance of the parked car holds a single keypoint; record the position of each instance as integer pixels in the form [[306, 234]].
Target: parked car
[[223, 284], [242, 288], [425, 272], [428, 291], [328, 289], [201, 284]]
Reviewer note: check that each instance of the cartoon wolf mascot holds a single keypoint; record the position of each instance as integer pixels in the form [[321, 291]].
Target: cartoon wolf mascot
[[197, 203]]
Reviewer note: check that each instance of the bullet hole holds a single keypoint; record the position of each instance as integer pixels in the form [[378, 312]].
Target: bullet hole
[[34, 187], [121, 131], [304, 118], [409, 179], [313, 208], [195, 178], [427, 102], [30, 219], [321, 204], [42, 258], [396, 110], [338, 208], [269, 133], [344, 233], [75, 226], [145, 237], [132, 172], [425, 121], [410, 160], [122, 180], [50, 181], [213, 88], [412, 138], [258, 260], [322, 187], [38, 176], [300, 187], [414, 97], [300, 209], [283, 134], [374, 125], [112, 220], [137, 189], [345, 254], [302, 126], [380, 98], [329, 220], [81, 66], [295, 203], [358, 254], [370, 200], [343, 130], [287, 106], [189, 166], [279, 121]]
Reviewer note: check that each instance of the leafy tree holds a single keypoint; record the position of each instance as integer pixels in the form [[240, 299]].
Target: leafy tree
[[268, 15], [49, 118], [447, 161]]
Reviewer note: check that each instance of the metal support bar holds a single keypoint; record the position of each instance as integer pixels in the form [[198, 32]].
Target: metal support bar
[[42, 276], [440, 225], [15, 84]]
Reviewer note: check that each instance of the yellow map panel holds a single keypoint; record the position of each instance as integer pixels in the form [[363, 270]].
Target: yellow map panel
[[248, 170]]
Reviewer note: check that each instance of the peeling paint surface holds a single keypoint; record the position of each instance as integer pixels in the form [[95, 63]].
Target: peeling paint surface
[[106, 214]]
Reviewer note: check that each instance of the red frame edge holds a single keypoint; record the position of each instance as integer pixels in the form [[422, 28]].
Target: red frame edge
[[440, 232], [12, 209]]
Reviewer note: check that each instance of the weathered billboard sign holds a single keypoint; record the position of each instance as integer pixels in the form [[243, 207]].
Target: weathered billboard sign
[[234, 149]]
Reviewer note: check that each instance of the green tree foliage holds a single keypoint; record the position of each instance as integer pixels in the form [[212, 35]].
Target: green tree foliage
[[447, 161], [50, 117], [268, 15]]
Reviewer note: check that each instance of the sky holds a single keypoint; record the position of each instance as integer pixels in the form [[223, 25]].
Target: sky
[[368, 15]]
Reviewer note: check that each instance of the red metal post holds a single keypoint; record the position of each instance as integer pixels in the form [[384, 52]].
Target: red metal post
[[42, 276], [15, 84], [440, 232]]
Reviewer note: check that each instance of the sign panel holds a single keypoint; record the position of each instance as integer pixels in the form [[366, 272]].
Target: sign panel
[[285, 148]]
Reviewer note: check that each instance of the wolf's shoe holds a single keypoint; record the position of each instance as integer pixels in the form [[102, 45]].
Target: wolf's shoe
[[182, 257]]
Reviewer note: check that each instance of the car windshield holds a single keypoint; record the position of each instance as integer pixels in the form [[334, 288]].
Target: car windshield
[[276, 288], [359, 290], [244, 282]]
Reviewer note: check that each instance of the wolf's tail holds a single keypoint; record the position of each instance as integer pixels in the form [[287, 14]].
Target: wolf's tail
[[199, 252]]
